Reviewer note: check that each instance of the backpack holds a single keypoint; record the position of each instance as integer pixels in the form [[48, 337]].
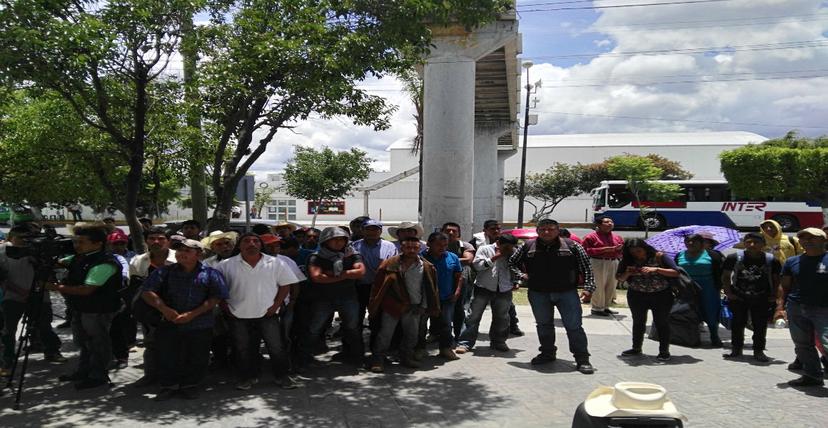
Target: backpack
[[740, 258]]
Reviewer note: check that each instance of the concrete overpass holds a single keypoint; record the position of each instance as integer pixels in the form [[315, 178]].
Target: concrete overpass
[[471, 102]]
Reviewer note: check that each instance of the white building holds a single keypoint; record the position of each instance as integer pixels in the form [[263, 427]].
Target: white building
[[697, 152]]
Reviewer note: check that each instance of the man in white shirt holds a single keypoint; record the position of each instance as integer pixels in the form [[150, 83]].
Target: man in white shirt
[[259, 286]]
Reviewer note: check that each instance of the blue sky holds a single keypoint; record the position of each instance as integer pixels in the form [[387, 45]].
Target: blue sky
[[768, 84]]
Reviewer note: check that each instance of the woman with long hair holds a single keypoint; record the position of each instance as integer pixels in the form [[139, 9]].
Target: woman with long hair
[[704, 267], [647, 274]]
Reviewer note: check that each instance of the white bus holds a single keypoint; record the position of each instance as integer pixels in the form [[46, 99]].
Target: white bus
[[701, 202]]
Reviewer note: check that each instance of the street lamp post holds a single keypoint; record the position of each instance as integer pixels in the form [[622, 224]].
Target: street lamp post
[[522, 189]]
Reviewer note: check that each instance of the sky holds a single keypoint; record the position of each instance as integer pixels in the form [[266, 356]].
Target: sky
[[609, 66]]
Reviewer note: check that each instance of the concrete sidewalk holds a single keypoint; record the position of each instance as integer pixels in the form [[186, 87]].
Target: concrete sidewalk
[[484, 388]]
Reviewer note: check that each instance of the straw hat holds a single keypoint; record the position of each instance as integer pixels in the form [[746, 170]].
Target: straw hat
[[217, 234], [285, 225], [631, 399], [406, 225]]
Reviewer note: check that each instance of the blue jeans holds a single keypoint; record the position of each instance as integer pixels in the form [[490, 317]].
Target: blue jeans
[[246, 334], [444, 324], [499, 330], [569, 305], [321, 311], [805, 322], [90, 332]]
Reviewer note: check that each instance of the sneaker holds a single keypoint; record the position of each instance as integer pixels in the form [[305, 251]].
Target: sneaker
[[462, 349], [91, 383], [806, 381], [144, 382], [601, 313], [502, 347], [543, 359], [245, 385], [165, 394], [55, 358], [585, 368], [516, 331], [287, 382], [448, 354], [190, 393], [71, 377], [735, 353], [663, 356], [631, 352], [419, 354], [761, 357], [610, 312], [795, 365]]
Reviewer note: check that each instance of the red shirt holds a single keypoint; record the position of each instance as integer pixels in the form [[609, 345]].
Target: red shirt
[[595, 240]]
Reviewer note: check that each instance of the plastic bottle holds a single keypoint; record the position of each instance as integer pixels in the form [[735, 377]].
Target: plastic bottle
[[780, 323]]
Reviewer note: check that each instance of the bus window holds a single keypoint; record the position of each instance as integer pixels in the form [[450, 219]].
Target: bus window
[[599, 199], [619, 198]]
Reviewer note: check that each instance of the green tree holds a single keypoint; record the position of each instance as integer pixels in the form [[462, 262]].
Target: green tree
[[548, 189], [50, 156], [593, 174], [640, 173], [262, 197], [324, 175], [103, 58], [791, 167], [267, 65]]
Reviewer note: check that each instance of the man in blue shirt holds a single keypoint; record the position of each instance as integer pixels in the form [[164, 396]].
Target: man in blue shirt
[[450, 286], [185, 293], [806, 275], [374, 250]]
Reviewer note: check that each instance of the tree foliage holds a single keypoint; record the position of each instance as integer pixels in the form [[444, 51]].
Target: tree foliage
[[104, 59], [791, 167], [324, 175], [50, 156], [593, 174], [548, 188], [268, 65], [640, 172]]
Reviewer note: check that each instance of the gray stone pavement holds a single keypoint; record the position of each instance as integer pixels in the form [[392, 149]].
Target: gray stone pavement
[[485, 388]]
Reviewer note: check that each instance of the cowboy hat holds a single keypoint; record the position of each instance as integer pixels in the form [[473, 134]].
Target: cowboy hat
[[406, 225], [217, 234], [283, 225], [631, 399]]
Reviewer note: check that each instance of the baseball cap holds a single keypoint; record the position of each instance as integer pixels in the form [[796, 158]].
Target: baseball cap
[[189, 243], [813, 231], [269, 238], [117, 236], [371, 222]]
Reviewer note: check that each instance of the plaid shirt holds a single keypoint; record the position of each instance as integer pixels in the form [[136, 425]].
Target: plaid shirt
[[518, 258], [186, 291]]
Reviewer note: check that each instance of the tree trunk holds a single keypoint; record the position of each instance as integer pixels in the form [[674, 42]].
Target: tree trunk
[[222, 213], [136, 166], [315, 213]]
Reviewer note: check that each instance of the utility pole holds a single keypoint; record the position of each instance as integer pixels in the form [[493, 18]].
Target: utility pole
[[522, 189], [198, 191]]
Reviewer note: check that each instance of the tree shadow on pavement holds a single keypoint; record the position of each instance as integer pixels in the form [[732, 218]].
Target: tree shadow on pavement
[[333, 395], [650, 360], [557, 366]]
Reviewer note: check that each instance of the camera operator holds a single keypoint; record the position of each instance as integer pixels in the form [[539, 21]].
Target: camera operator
[[91, 287], [16, 280]]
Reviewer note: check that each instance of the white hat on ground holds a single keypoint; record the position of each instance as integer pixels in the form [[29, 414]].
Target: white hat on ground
[[631, 399]]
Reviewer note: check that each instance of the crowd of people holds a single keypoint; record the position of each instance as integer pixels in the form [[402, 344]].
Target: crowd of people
[[211, 301]]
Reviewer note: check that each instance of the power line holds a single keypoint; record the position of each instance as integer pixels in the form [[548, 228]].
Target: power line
[[696, 50], [626, 29], [703, 76], [683, 120], [619, 6], [679, 82]]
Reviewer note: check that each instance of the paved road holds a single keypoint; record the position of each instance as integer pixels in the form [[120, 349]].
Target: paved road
[[484, 388]]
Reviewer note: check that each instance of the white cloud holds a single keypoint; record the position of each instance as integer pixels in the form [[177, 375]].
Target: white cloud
[[581, 90]]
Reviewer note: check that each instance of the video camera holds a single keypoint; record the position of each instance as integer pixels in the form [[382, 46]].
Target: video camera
[[44, 250]]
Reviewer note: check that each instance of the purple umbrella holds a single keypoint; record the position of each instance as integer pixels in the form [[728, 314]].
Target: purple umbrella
[[672, 241]]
